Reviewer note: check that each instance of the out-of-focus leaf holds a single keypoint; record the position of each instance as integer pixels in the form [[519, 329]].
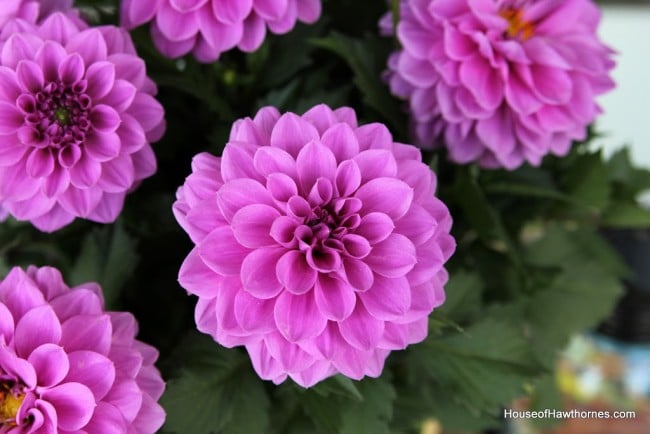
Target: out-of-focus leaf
[[107, 256], [215, 393]]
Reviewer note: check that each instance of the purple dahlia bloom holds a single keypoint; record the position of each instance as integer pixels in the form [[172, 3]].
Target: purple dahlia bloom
[[320, 244], [501, 82], [77, 115], [207, 28], [31, 10], [67, 366]]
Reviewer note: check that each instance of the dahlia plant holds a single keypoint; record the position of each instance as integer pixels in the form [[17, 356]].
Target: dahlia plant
[[77, 115], [500, 82], [325, 245], [68, 366], [355, 217]]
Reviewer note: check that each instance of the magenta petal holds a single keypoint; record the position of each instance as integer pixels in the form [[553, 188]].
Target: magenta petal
[[80, 301], [294, 272], [348, 178], [393, 257], [103, 146], [87, 332], [238, 193], [281, 186], [93, 370], [315, 161], [388, 299], [74, 404], [309, 10], [227, 258], [17, 367], [118, 175], [51, 364], [297, 317], [71, 69], [6, 323], [90, 44], [251, 225], [254, 315], [126, 396], [342, 141], [230, 12], [335, 298], [388, 195], [266, 366], [359, 275], [104, 118], [107, 419], [361, 329], [269, 160], [271, 9], [258, 273], [197, 277], [37, 327], [375, 227], [100, 77], [30, 75], [10, 118], [292, 133], [40, 163], [376, 163]]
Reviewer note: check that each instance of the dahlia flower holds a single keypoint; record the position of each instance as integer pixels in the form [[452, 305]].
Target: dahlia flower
[[501, 82], [67, 366], [319, 244], [77, 114], [207, 28]]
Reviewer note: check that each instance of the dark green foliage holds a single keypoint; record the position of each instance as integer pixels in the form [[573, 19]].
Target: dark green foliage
[[530, 268]]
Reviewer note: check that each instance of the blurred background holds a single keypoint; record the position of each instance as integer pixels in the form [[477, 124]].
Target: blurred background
[[608, 369]]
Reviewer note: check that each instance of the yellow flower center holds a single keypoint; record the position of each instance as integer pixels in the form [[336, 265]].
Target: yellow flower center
[[517, 25], [9, 405]]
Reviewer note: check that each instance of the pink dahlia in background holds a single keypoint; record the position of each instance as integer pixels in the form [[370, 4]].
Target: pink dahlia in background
[[319, 244], [31, 10], [67, 366], [77, 115], [501, 82], [207, 28]]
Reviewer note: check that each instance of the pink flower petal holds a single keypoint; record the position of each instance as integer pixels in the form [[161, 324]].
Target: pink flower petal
[[294, 272], [360, 329], [258, 273], [335, 298], [37, 327], [51, 364], [93, 370], [297, 317], [228, 257], [387, 195]]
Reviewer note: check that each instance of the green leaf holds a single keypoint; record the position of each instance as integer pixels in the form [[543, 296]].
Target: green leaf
[[215, 393], [373, 414], [339, 385], [366, 57], [582, 292], [481, 215], [479, 370], [325, 412], [463, 296], [626, 215], [587, 181], [108, 256]]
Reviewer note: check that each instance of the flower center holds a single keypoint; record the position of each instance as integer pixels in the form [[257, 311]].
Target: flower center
[[62, 116], [10, 402], [517, 25], [56, 116]]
